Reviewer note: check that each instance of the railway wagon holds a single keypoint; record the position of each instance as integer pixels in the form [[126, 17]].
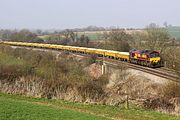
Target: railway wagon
[[90, 50], [124, 56], [111, 54], [100, 52], [53, 46], [74, 49], [82, 49]]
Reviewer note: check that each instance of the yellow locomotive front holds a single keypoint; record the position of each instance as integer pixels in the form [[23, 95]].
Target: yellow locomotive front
[[155, 59]]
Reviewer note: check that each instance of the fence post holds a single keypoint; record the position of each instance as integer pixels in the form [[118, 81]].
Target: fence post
[[127, 102]]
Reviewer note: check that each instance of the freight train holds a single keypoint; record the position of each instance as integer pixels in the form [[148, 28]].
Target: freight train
[[147, 58]]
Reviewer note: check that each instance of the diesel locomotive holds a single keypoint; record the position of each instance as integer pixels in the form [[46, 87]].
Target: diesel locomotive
[[148, 58]]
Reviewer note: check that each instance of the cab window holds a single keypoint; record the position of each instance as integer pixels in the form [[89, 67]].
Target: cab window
[[154, 55]]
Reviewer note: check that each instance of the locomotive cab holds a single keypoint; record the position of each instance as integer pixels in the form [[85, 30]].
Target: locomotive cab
[[155, 59]]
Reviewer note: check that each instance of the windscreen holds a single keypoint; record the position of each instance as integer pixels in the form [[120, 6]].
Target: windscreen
[[154, 55]]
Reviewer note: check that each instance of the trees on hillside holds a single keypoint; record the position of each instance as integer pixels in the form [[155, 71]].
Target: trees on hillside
[[25, 36], [117, 39], [83, 40], [156, 38], [153, 38], [6, 34], [68, 37]]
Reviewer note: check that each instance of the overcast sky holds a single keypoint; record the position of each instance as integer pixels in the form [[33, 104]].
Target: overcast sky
[[60, 14]]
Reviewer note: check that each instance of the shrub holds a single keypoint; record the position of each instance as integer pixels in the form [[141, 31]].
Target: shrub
[[53, 75], [91, 90], [171, 90]]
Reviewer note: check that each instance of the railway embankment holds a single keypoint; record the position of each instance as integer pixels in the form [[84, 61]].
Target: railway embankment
[[46, 75]]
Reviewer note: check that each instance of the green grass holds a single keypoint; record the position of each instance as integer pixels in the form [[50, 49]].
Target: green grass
[[92, 35], [44, 37], [6, 59], [19, 107], [174, 31]]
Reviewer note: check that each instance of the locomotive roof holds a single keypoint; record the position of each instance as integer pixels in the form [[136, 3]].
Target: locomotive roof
[[145, 51]]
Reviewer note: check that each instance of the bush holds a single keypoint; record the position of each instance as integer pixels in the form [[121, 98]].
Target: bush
[[43, 74], [171, 90], [91, 90]]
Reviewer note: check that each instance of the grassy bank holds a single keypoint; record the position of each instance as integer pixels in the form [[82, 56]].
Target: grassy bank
[[14, 108], [19, 107]]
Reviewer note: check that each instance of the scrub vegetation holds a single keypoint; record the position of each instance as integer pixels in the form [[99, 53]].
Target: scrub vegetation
[[46, 75]]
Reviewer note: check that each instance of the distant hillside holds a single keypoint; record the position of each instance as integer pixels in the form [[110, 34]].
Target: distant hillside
[[174, 31]]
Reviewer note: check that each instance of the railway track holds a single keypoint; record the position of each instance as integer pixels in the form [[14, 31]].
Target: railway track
[[169, 71], [160, 72]]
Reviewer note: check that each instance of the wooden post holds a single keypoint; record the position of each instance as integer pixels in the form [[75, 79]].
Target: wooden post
[[127, 102], [103, 68]]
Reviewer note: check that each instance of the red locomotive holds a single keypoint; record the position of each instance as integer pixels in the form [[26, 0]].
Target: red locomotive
[[148, 58]]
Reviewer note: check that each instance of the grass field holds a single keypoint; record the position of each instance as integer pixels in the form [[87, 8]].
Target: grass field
[[174, 31], [96, 35], [14, 107], [44, 37]]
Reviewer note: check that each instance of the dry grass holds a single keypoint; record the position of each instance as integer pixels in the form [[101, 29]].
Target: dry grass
[[171, 90], [42, 74]]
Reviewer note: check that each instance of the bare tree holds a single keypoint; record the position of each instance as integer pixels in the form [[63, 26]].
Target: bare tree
[[73, 36], [153, 38], [165, 24], [66, 34], [83, 40], [157, 38], [25, 36], [172, 57], [117, 39]]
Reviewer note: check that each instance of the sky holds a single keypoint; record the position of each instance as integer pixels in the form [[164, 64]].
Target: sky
[[62, 14]]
